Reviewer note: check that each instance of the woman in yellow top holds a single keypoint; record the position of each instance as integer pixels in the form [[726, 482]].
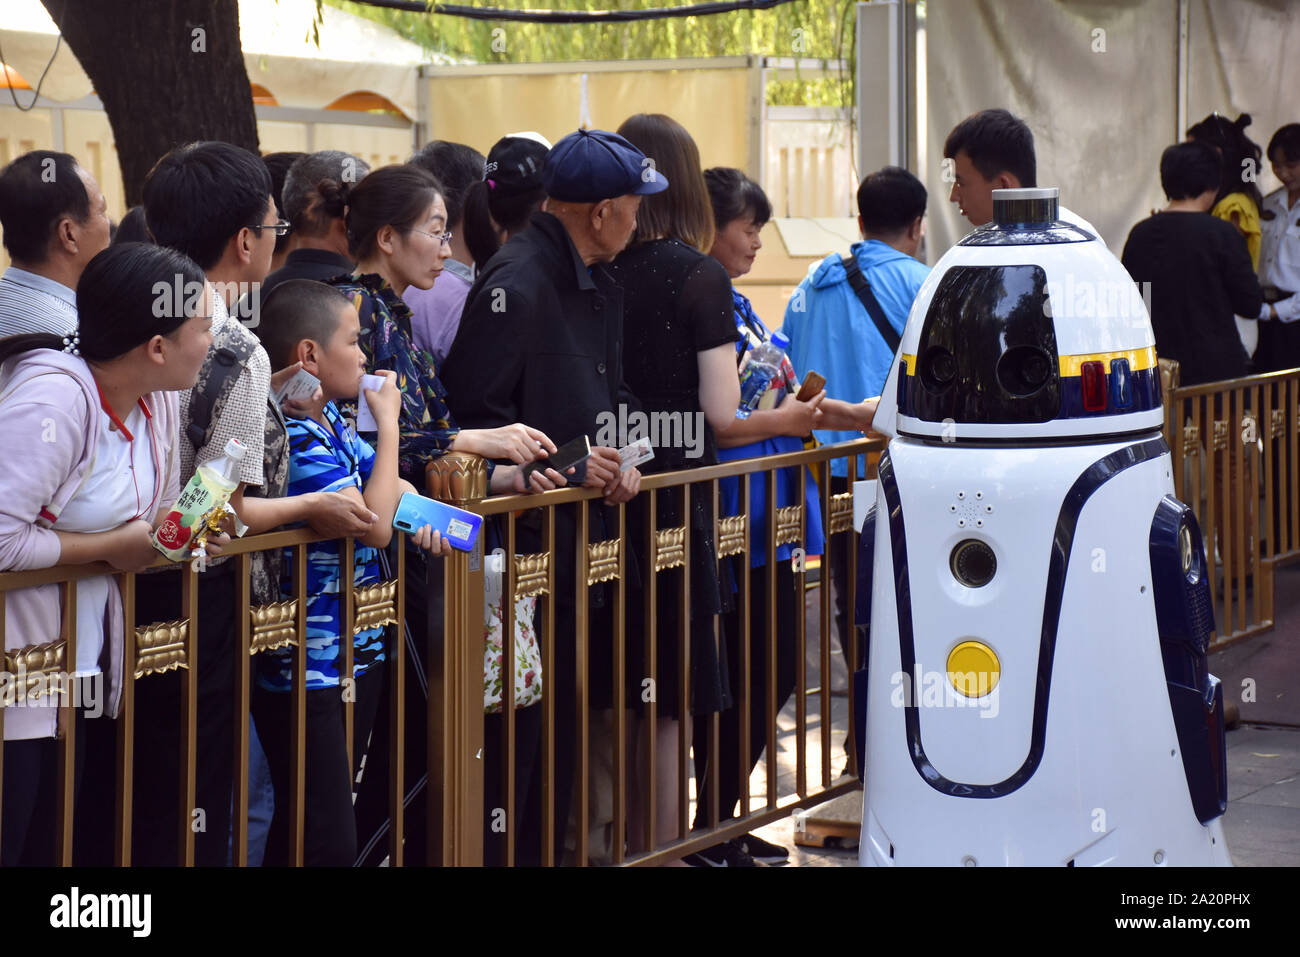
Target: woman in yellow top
[[1239, 199]]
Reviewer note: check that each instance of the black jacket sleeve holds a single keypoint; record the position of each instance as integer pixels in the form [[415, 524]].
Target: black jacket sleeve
[[1239, 277], [486, 361]]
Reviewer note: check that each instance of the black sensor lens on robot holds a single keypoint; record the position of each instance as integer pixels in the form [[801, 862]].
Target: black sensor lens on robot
[[972, 563]]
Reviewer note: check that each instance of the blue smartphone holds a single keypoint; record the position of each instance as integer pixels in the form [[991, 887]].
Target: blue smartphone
[[454, 524]]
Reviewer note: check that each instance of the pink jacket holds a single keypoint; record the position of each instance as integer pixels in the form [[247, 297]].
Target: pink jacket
[[49, 414]]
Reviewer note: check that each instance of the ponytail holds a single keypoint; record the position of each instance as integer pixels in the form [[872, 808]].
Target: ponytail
[[490, 207], [29, 342], [480, 232], [126, 295]]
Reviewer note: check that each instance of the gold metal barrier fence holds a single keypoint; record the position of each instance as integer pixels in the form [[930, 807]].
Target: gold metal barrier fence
[[1236, 454], [455, 713]]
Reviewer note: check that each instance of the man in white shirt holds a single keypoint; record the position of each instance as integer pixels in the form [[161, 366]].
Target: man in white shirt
[[1279, 256], [55, 220]]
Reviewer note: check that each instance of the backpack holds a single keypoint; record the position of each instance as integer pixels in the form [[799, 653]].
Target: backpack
[[210, 393]]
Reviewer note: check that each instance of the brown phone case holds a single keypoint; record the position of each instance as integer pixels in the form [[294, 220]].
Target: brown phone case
[[813, 383]]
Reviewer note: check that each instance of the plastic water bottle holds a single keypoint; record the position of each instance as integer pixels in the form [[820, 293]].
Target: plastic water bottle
[[201, 506], [764, 366]]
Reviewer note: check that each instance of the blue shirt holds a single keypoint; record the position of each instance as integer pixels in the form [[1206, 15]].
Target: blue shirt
[[752, 333], [33, 303], [831, 332], [325, 460]]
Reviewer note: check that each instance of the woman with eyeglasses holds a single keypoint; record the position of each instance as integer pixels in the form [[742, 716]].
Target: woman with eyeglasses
[[397, 235]]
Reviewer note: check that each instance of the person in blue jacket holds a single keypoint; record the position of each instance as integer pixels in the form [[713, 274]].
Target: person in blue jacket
[[831, 330]]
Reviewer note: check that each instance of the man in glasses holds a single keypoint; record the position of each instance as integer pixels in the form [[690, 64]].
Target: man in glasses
[[212, 201]]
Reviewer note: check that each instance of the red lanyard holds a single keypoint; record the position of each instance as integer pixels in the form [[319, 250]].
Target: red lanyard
[[153, 448]]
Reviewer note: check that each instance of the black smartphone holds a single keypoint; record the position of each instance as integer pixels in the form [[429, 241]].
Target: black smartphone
[[571, 453]]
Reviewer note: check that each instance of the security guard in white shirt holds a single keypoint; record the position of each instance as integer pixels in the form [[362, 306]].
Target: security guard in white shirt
[[1279, 257]]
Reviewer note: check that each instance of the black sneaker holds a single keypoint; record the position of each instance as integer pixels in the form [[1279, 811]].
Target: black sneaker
[[764, 851], [730, 854]]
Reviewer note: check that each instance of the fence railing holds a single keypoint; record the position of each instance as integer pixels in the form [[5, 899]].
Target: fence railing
[[1236, 450], [630, 552]]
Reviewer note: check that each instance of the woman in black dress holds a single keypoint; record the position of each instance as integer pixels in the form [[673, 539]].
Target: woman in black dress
[[680, 361]]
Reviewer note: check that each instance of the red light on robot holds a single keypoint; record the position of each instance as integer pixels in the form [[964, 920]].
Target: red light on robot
[[1094, 386]]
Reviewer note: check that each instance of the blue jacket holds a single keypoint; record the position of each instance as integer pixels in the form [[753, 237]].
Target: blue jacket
[[830, 331]]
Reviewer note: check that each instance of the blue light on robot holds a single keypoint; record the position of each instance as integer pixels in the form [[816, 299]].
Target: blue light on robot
[[1121, 384]]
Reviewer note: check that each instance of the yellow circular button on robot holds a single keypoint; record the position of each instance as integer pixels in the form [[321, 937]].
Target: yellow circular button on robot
[[973, 669]]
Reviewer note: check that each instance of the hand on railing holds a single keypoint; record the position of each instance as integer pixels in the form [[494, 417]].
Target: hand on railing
[[604, 472], [518, 443], [336, 515], [129, 548], [510, 478]]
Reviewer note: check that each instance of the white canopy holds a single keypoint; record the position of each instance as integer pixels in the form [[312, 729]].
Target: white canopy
[[354, 55]]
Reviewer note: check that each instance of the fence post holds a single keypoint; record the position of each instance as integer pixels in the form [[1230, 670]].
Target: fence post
[[456, 682]]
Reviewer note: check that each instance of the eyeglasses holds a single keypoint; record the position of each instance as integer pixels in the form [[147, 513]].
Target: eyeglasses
[[281, 227], [445, 238]]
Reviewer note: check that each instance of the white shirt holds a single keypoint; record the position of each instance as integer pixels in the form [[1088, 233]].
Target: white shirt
[[32, 303], [1279, 251], [123, 484]]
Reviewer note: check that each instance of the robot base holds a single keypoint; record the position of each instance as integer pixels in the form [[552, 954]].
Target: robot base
[[1065, 751]]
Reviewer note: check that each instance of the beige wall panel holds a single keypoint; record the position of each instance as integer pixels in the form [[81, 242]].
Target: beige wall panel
[[276, 137], [711, 105], [20, 132], [377, 145], [479, 110], [88, 136]]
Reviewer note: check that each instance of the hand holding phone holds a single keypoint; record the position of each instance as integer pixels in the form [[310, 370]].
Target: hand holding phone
[[570, 454], [813, 383], [458, 527]]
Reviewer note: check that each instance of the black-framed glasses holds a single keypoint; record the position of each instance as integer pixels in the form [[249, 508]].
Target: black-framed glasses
[[444, 238], [281, 227]]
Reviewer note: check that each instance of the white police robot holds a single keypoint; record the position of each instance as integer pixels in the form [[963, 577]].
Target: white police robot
[[1040, 611]]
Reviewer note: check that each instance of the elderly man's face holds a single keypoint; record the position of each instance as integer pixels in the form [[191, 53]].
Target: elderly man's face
[[618, 223]]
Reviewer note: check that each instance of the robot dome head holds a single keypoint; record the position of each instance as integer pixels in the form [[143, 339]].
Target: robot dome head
[[1028, 327]]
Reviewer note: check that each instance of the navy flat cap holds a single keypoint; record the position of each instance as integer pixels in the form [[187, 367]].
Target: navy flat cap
[[591, 165]]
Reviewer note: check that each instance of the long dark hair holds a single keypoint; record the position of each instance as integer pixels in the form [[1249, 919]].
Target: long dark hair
[[505, 199], [126, 295], [394, 196], [734, 195], [1239, 153], [684, 211]]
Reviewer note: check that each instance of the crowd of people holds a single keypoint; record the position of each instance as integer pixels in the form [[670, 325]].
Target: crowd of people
[[1223, 286], [509, 303]]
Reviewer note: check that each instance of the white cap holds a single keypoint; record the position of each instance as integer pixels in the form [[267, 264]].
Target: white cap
[[530, 135], [235, 450]]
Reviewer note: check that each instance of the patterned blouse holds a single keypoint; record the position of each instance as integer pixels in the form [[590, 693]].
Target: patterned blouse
[[425, 425]]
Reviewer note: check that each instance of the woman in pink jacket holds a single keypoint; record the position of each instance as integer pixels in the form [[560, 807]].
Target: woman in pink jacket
[[87, 469]]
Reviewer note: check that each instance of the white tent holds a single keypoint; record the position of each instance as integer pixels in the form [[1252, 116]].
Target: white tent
[[354, 55]]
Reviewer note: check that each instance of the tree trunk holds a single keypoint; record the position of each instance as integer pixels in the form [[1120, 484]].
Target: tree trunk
[[167, 71]]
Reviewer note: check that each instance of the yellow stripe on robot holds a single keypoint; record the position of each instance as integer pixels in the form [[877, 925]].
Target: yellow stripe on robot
[[1138, 359]]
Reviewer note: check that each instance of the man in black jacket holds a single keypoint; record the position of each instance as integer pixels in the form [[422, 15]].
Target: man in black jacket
[[540, 342]]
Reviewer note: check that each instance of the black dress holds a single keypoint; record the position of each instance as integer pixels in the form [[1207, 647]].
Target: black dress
[[676, 303]]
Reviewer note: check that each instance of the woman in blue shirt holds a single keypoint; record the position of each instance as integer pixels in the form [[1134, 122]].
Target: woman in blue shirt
[[779, 425]]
